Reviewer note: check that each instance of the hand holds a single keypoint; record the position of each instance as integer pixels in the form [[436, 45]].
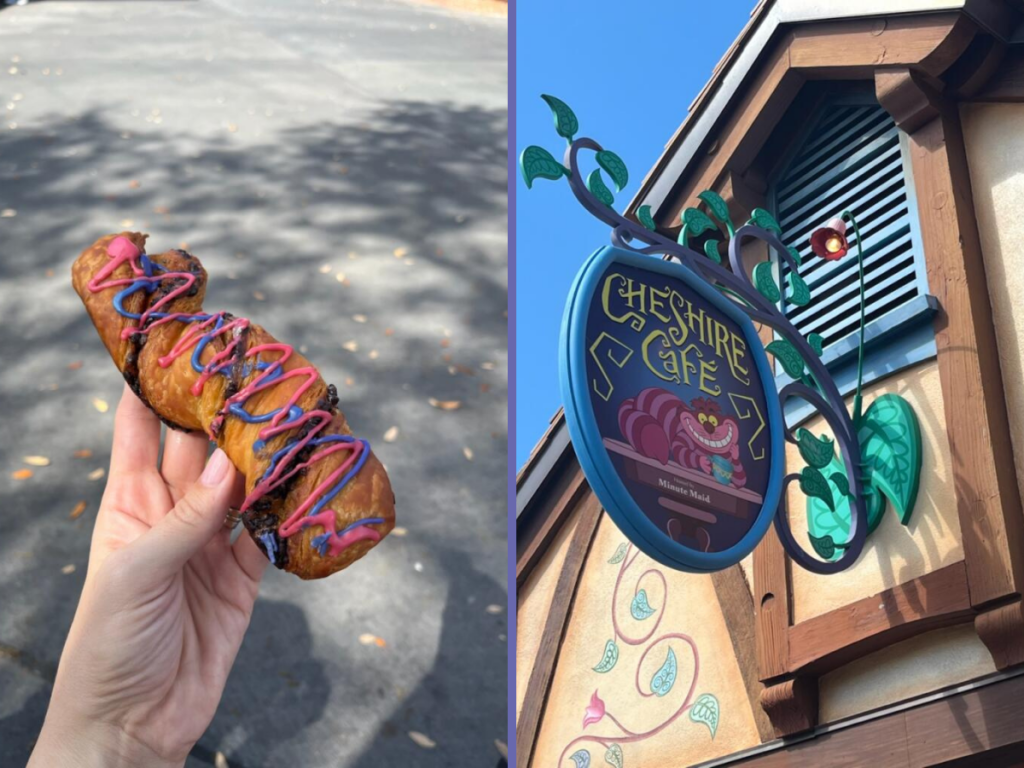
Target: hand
[[166, 601]]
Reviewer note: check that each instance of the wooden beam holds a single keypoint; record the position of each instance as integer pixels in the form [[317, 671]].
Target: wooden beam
[[1002, 630], [988, 499], [539, 684], [910, 97], [546, 517], [738, 611], [771, 606], [937, 599], [791, 705]]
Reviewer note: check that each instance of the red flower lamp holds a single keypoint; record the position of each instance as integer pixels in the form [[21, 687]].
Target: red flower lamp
[[829, 242]]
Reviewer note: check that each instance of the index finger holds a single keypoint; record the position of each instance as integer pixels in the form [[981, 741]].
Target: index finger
[[136, 435]]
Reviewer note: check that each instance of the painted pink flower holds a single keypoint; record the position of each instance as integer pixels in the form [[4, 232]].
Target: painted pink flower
[[829, 242], [594, 711]]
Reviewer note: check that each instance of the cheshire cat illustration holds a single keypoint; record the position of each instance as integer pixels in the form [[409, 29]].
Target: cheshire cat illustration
[[697, 435]]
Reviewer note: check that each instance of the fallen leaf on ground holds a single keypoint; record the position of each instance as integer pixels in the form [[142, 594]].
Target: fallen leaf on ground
[[22, 474], [82, 453], [134, 184], [126, 222], [400, 252], [369, 639], [340, 277], [36, 461], [219, 761], [161, 209], [494, 608], [351, 346], [50, 273], [487, 366], [100, 405], [374, 354], [389, 331], [422, 740], [75, 365], [96, 474], [502, 748], [399, 531], [391, 435], [259, 295], [359, 318], [468, 453], [445, 405], [325, 269], [183, 245], [78, 510], [349, 381], [69, 568], [232, 128], [484, 388], [8, 213], [445, 342]]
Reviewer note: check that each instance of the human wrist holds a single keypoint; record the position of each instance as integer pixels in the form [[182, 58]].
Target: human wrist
[[67, 742]]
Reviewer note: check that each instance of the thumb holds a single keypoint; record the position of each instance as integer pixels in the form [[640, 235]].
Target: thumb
[[195, 519]]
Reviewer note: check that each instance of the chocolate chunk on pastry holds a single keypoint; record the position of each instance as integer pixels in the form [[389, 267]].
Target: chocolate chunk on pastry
[[317, 499]]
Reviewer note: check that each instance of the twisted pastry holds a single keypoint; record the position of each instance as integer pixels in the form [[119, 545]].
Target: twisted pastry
[[317, 499]]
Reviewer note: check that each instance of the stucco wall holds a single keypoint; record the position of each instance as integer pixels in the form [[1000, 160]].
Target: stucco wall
[[679, 608], [995, 154], [894, 553]]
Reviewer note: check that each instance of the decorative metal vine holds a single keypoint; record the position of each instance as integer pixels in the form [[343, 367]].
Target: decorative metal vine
[[879, 450]]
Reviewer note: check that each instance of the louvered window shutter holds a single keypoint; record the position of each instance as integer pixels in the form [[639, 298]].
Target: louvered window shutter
[[851, 158]]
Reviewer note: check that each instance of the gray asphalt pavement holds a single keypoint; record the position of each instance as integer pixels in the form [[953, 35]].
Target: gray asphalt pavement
[[340, 169]]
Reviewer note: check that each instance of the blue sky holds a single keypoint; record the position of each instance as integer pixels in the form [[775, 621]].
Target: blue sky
[[594, 56]]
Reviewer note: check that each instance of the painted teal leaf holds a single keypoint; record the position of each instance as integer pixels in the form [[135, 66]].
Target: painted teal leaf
[[614, 756], [796, 255], [537, 163], [620, 553], [614, 167], [711, 251], [890, 449], [566, 123], [640, 608], [814, 484], [817, 342], [761, 218], [842, 485], [835, 522], [665, 677], [825, 546], [643, 214], [597, 187], [705, 710], [581, 758], [791, 361], [764, 281], [717, 206], [610, 657], [801, 294], [696, 221], [817, 451]]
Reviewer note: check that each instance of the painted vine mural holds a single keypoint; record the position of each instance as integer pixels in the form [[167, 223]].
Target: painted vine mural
[[703, 710], [879, 448]]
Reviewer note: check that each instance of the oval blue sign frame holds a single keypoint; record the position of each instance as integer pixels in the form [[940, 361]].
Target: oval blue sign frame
[[588, 442]]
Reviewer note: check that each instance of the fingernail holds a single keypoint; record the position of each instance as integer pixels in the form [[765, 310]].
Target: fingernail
[[216, 469]]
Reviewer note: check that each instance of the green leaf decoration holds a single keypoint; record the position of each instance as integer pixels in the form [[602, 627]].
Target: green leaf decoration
[[786, 354], [581, 758], [817, 343], [696, 222], [598, 189], [609, 659], [614, 167], [711, 251], [814, 484], [890, 449], [796, 255], [565, 119], [801, 294], [705, 710], [665, 677], [640, 608], [764, 281], [614, 756], [620, 553], [537, 163], [834, 522], [824, 546], [643, 214], [842, 485], [717, 206], [761, 218], [817, 451]]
